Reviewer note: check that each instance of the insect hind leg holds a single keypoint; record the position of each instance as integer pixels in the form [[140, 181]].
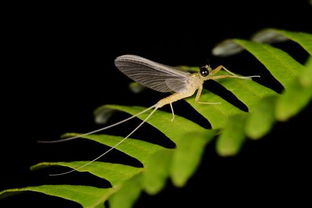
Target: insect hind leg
[[171, 107]]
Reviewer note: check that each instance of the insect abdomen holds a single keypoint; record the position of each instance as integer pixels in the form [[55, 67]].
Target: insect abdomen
[[173, 98]]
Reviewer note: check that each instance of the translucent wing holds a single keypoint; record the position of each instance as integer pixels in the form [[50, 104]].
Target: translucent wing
[[175, 85], [153, 75]]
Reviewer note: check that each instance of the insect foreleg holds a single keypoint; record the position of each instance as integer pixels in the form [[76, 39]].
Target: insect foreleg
[[232, 75], [216, 70]]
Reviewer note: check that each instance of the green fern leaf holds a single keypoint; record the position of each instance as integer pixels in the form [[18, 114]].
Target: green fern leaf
[[232, 126], [87, 196], [303, 39], [190, 141], [114, 173]]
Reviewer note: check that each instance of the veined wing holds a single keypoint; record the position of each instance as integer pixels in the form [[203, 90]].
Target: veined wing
[[151, 74]]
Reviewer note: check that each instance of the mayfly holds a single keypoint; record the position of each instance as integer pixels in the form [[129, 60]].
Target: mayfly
[[161, 78]]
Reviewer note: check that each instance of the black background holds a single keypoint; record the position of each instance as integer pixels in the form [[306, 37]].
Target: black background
[[58, 67]]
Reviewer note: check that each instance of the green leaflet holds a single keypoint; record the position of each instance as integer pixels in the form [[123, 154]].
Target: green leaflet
[[275, 60], [229, 47], [231, 125], [114, 173], [87, 196], [293, 100], [194, 135], [233, 136], [127, 194], [306, 76], [217, 114], [262, 118], [295, 96], [144, 152], [303, 39], [247, 91]]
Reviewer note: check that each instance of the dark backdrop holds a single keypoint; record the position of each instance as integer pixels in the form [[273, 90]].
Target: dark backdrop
[[58, 67]]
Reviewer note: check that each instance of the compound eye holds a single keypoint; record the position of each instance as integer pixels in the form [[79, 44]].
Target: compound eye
[[204, 71]]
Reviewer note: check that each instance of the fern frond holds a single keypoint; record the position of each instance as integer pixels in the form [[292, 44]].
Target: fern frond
[[231, 125]]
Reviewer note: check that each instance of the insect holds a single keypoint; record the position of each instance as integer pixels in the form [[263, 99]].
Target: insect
[[161, 78]]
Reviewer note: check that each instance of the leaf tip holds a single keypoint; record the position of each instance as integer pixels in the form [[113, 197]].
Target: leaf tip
[[226, 48]]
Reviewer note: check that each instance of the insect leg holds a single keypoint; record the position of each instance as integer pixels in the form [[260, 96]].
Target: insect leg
[[220, 67], [216, 70], [233, 75], [172, 112], [198, 94]]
